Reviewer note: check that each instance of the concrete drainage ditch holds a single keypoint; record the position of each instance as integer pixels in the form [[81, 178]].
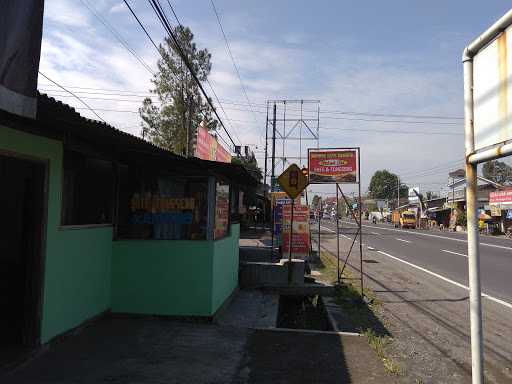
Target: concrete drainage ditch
[[303, 312]]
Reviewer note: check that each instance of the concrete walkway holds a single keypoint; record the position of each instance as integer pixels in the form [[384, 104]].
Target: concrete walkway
[[160, 351], [251, 309], [242, 347]]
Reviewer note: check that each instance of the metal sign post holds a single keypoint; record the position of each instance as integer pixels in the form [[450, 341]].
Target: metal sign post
[[291, 243], [337, 237], [293, 181], [339, 166], [488, 136], [319, 218]]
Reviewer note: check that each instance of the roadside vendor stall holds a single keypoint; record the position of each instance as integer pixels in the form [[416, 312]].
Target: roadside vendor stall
[[114, 224]]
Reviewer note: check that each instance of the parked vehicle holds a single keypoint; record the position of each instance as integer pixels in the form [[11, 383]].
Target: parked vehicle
[[405, 219]]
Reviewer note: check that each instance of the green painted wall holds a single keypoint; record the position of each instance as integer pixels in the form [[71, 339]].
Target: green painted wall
[[77, 268], [86, 273], [174, 278], [164, 277], [225, 267]]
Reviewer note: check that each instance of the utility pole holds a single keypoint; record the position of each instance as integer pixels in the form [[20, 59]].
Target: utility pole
[[272, 175], [265, 174], [398, 192], [273, 148], [189, 127]]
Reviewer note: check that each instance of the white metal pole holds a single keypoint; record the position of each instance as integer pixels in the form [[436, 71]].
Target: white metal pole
[[475, 295]]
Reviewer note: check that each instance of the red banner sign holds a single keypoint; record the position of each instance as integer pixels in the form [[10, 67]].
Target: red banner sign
[[332, 166], [300, 239], [207, 147], [504, 196]]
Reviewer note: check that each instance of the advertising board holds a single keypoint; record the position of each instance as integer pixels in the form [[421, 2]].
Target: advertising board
[[207, 147], [329, 166], [300, 239], [279, 200], [501, 199], [221, 210], [492, 71]]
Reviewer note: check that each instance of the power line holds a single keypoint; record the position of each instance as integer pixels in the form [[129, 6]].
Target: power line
[[392, 121], [326, 128], [323, 112], [71, 93], [174, 13], [395, 131], [340, 129], [157, 49], [449, 164], [207, 80], [119, 38], [170, 32], [142, 26], [226, 41]]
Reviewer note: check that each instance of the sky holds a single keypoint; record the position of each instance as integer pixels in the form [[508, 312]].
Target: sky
[[368, 63]]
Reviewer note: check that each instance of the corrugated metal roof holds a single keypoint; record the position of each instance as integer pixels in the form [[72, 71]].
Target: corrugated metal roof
[[64, 119]]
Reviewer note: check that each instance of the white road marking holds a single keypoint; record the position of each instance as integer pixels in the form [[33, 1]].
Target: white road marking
[[341, 234], [405, 241], [489, 297], [454, 253], [375, 233], [437, 236]]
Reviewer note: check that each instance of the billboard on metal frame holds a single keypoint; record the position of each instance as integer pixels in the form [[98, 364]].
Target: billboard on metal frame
[[333, 165]]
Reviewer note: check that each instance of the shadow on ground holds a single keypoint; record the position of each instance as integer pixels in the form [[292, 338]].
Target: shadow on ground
[[295, 357]]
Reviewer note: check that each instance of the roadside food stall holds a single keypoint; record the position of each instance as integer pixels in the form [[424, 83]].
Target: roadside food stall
[[116, 224]]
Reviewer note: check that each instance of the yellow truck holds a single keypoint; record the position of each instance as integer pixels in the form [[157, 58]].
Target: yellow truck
[[404, 219]]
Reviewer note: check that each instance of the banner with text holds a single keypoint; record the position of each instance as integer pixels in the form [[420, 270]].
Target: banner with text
[[300, 239], [208, 148], [279, 200], [329, 166], [501, 199]]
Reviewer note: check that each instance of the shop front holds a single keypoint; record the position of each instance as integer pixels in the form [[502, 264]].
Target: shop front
[[500, 204], [100, 221]]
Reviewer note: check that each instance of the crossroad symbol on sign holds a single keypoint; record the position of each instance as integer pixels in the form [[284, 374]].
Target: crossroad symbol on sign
[[293, 181]]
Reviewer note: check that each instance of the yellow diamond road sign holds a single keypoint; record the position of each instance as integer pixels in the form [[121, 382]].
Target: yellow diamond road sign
[[293, 181]]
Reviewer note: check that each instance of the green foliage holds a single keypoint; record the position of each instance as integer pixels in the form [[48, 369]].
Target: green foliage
[[251, 165], [461, 219], [181, 107], [497, 171], [383, 185]]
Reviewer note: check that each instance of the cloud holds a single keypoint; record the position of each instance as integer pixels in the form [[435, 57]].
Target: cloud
[[64, 12], [294, 38], [95, 60], [118, 8], [340, 73]]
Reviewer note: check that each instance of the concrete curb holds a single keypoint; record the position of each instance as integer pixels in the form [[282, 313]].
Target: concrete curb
[[332, 321], [306, 331]]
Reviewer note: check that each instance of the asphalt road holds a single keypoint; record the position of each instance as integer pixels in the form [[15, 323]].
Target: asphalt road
[[419, 278], [441, 252]]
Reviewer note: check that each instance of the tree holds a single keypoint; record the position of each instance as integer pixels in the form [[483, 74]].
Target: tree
[[383, 185], [173, 123], [251, 164], [497, 171]]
